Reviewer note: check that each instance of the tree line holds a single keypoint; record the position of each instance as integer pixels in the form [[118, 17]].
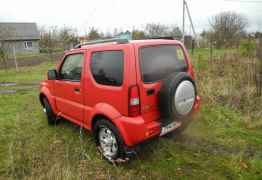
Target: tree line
[[226, 29], [54, 38]]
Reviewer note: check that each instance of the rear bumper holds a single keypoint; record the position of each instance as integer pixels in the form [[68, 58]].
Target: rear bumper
[[135, 129]]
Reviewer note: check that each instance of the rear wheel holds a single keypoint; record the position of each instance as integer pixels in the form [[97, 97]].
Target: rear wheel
[[50, 115], [109, 141]]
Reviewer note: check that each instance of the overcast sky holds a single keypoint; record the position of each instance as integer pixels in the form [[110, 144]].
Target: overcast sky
[[124, 14]]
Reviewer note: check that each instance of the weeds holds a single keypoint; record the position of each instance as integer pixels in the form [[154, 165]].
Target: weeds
[[230, 80]]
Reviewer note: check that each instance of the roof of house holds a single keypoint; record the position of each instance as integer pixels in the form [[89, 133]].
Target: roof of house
[[19, 31]]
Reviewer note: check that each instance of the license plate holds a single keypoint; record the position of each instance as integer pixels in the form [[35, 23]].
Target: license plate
[[170, 127]]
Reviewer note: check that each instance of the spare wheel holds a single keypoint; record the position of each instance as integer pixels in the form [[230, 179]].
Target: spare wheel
[[176, 97]]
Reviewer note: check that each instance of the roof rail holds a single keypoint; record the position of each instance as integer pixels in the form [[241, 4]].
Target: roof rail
[[162, 37], [117, 40]]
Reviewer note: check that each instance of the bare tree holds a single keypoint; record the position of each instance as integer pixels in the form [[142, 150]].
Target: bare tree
[[157, 30], [49, 40], [3, 57], [175, 32], [227, 28], [94, 34], [67, 37], [154, 30], [6, 46]]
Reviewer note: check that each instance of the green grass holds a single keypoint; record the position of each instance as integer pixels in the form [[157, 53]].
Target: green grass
[[217, 145], [201, 55], [28, 56], [26, 74]]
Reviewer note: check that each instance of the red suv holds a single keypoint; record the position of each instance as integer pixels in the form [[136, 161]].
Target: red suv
[[125, 92]]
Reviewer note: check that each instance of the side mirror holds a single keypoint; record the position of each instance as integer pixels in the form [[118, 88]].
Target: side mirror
[[52, 74]]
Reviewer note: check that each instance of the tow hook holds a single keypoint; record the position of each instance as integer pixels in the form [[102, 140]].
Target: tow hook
[[118, 160], [58, 115]]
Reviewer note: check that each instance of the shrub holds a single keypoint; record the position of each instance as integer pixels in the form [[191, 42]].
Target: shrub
[[247, 48]]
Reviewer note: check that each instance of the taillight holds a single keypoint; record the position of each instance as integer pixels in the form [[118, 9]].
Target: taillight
[[134, 101]]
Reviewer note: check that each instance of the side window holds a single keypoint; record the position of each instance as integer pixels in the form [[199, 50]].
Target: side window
[[107, 67], [72, 67]]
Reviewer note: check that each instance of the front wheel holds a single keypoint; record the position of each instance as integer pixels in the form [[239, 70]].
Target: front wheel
[[50, 115], [109, 141]]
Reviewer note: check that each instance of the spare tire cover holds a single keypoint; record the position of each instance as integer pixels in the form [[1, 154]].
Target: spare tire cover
[[176, 97]]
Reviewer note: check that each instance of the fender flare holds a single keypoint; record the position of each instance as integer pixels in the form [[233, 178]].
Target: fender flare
[[51, 99], [103, 109], [111, 114]]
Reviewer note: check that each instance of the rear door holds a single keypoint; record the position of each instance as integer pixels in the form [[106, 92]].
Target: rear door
[[155, 63], [68, 89], [108, 77]]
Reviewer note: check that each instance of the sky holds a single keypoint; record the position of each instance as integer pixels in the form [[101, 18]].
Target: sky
[[125, 14]]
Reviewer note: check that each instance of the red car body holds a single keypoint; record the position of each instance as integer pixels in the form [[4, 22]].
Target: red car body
[[85, 102]]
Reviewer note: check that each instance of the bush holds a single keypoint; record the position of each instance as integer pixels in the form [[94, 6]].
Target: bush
[[247, 48]]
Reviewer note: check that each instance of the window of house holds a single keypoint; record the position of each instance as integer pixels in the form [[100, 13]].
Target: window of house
[[72, 67], [28, 44], [107, 67]]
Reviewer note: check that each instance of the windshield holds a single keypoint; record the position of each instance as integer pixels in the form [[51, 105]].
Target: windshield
[[157, 62]]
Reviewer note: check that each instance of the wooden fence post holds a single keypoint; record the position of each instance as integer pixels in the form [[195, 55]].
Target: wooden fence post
[[259, 68], [14, 54]]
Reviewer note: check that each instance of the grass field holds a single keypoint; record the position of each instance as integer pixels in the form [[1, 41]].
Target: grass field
[[224, 141]]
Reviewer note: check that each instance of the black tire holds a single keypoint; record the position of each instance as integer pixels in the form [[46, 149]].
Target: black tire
[[167, 92], [50, 115], [103, 123]]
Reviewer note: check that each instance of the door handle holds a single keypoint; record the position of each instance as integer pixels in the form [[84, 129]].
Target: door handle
[[150, 92], [77, 90]]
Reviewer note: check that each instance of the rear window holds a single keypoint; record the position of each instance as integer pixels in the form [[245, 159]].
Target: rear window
[[107, 67], [157, 62]]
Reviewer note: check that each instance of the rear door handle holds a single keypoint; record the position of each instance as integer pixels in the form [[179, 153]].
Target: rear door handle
[[77, 90], [150, 92]]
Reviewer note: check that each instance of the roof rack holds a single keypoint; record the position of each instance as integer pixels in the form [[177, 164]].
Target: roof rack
[[117, 40], [162, 37]]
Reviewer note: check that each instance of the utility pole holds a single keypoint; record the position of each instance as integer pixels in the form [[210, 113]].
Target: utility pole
[[183, 26], [186, 10], [190, 19]]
